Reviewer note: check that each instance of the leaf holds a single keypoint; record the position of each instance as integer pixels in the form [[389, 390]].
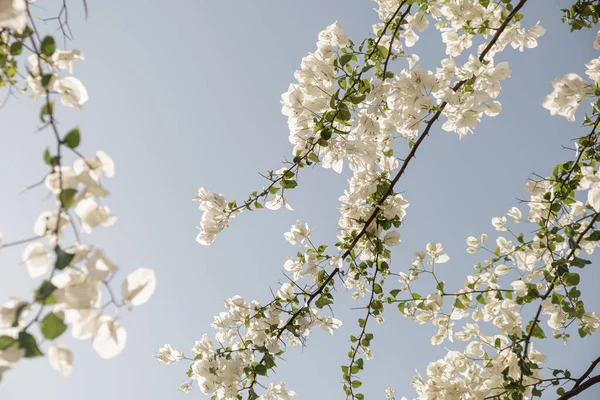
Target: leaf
[[48, 46], [52, 326], [356, 384], [260, 369], [44, 291], [345, 59], [47, 157], [7, 342], [322, 302], [377, 288], [28, 343], [63, 259], [16, 48], [67, 197], [73, 138], [571, 279], [289, 184], [47, 109]]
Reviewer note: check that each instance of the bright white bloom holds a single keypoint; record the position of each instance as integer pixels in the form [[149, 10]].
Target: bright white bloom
[[93, 214], [168, 355], [110, 339], [13, 14], [185, 387], [139, 286], [72, 92], [499, 223], [391, 238], [566, 96], [299, 233], [63, 59], [37, 259], [286, 292], [520, 288], [61, 359]]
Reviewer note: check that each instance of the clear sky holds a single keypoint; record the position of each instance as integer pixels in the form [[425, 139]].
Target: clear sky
[[186, 94]]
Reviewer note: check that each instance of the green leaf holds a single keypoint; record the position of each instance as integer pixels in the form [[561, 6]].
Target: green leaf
[[52, 326], [48, 46], [377, 288], [571, 279], [260, 369], [322, 302], [356, 384], [73, 138], [345, 59], [289, 184], [47, 109], [67, 197], [7, 342], [44, 291], [29, 344], [63, 259], [47, 157], [16, 48]]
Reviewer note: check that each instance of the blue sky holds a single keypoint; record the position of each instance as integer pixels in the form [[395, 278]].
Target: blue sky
[[187, 96]]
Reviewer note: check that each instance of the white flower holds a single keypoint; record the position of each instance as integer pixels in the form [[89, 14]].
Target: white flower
[[100, 165], [286, 292], [168, 355], [37, 259], [596, 43], [516, 214], [61, 359], [185, 387], [499, 223], [72, 92], [13, 14], [566, 96], [520, 288], [299, 233], [391, 238], [277, 202], [63, 59], [110, 339], [92, 214], [139, 286]]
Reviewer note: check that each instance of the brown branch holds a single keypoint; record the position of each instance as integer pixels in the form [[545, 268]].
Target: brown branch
[[578, 389]]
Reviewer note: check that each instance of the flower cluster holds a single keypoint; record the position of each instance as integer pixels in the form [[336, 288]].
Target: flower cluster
[[76, 289]]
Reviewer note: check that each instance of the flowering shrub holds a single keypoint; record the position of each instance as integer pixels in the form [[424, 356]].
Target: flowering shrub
[[76, 290]]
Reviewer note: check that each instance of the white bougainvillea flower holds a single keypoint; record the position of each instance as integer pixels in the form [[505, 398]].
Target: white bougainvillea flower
[[37, 259], [299, 233], [9, 358], [9, 311], [168, 355], [110, 339], [63, 59], [98, 266], [594, 198], [391, 238], [185, 387], [61, 359], [86, 323], [47, 223], [286, 291], [596, 43], [92, 215], [100, 165], [566, 96], [72, 92], [13, 14], [277, 202], [139, 286]]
